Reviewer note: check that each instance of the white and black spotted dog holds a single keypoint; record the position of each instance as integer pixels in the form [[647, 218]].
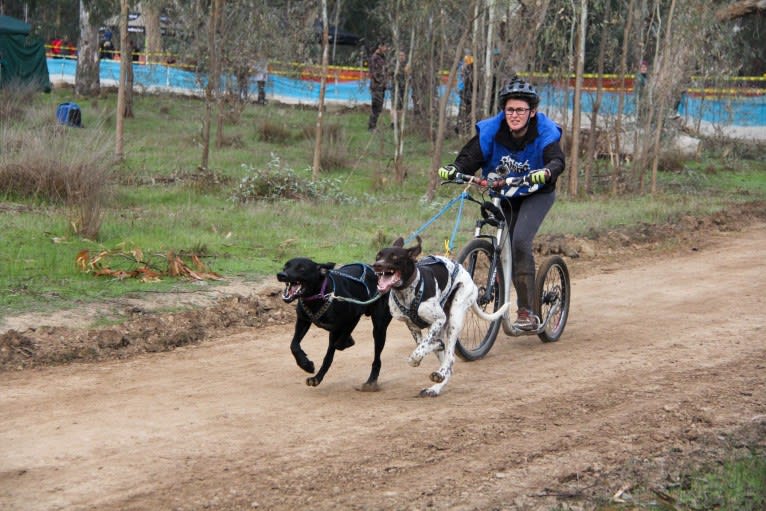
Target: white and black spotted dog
[[433, 293]]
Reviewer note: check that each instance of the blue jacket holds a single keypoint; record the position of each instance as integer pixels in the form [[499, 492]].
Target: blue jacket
[[519, 162]]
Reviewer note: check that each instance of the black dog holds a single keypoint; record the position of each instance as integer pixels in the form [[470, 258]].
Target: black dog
[[334, 300]]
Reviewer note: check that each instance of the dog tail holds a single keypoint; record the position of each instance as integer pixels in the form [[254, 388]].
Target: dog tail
[[490, 317]]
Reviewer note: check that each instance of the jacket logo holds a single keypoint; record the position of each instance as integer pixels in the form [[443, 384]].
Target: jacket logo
[[510, 166]]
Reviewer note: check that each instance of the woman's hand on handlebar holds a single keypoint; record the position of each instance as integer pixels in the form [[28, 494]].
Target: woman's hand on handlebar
[[512, 181], [450, 174], [447, 172], [460, 178]]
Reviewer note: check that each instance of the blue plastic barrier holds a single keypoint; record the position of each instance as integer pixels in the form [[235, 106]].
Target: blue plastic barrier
[[726, 110]]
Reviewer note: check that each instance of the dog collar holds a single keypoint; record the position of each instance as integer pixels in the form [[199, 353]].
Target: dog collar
[[321, 296], [412, 311], [315, 316], [415, 275]]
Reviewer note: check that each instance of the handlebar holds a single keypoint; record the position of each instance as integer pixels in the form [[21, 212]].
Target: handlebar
[[482, 182], [461, 178]]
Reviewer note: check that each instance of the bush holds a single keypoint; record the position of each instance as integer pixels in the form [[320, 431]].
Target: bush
[[334, 151], [733, 149], [274, 133], [14, 100], [278, 182]]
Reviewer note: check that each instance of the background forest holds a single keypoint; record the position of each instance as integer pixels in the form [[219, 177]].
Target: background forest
[[587, 44]]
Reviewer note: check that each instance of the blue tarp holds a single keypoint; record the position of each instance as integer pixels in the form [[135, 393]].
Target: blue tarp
[[729, 110]]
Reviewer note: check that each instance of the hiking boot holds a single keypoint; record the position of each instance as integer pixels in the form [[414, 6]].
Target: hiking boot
[[526, 321]]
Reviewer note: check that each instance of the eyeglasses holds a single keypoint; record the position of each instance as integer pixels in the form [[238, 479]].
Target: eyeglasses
[[518, 111]]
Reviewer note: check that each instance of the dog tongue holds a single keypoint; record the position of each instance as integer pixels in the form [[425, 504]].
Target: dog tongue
[[385, 282], [291, 290]]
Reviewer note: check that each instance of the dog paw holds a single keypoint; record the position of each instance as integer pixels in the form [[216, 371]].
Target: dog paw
[[369, 387], [428, 393], [313, 381], [437, 377], [413, 361]]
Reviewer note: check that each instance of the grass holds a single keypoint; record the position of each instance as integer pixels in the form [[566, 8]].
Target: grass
[[737, 484], [159, 201]]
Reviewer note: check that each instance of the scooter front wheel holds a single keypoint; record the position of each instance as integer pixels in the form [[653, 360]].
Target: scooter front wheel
[[553, 292]]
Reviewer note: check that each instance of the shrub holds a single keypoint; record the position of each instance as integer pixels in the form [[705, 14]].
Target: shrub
[[272, 132], [672, 161], [334, 151], [14, 100], [279, 182], [733, 149]]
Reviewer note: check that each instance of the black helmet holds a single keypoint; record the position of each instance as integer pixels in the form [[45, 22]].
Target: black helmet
[[517, 88]]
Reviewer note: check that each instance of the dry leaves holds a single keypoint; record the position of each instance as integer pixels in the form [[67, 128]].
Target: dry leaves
[[139, 266]]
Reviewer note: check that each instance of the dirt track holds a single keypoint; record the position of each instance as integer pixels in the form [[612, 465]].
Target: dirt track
[[662, 362]]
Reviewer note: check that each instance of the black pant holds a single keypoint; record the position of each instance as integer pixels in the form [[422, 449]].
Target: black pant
[[262, 92], [378, 95], [526, 214]]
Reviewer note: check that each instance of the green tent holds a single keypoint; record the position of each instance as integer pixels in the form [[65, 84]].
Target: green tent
[[22, 57]]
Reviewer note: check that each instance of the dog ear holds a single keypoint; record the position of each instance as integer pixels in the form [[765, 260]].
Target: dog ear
[[399, 242], [414, 252]]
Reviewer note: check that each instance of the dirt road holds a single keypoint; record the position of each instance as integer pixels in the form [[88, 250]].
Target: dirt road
[[662, 362]]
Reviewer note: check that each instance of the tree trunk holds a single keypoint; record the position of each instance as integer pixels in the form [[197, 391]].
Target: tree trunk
[[119, 129], [668, 50], [322, 86], [150, 10], [400, 171], [87, 82], [217, 65], [489, 58], [439, 142], [212, 81], [127, 57], [617, 165], [594, 127], [475, 77], [577, 110]]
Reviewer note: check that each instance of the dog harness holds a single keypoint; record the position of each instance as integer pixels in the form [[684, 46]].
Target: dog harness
[[329, 297], [412, 311]]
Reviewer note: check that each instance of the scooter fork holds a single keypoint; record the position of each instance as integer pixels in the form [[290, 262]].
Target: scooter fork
[[506, 260]]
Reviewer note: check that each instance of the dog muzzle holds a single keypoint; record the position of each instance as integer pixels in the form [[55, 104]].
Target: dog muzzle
[[388, 279], [292, 291]]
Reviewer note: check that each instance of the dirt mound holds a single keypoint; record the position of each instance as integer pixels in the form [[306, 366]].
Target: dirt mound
[[686, 231], [143, 332]]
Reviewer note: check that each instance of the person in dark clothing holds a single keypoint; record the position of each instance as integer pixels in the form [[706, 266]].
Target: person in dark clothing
[[400, 78], [466, 95], [640, 90], [378, 80], [260, 76], [517, 141], [106, 48]]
